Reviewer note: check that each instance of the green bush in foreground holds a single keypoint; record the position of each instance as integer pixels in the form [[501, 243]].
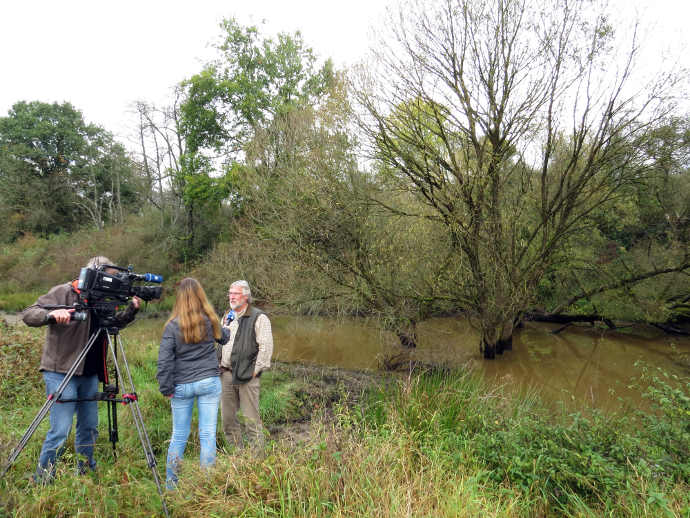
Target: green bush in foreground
[[599, 461]]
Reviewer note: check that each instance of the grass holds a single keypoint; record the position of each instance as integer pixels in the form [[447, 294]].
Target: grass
[[342, 443], [17, 301]]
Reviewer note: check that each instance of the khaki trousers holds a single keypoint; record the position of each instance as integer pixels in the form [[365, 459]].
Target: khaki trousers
[[245, 399]]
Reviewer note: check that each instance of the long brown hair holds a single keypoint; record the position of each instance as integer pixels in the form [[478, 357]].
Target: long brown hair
[[191, 310]]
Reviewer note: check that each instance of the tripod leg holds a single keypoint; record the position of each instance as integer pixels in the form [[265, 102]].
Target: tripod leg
[[136, 413], [48, 405], [112, 425]]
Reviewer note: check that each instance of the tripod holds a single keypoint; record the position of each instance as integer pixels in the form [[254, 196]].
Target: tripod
[[114, 341]]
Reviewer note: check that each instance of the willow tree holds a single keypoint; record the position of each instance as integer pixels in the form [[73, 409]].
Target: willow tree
[[509, 121], [324, 247]]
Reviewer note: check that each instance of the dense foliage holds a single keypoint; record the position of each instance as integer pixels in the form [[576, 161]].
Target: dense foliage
[[58, 173]]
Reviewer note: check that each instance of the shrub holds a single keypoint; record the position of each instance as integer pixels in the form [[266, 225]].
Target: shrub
[[563, 460]]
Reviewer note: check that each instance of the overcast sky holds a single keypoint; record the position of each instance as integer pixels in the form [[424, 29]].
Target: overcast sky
[[103, 55]]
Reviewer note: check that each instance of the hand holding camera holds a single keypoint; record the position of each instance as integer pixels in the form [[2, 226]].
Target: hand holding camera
[[101, 290], [60, 316]]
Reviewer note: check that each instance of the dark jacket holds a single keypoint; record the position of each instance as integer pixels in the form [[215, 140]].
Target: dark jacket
[[182, 362], [64, 342]]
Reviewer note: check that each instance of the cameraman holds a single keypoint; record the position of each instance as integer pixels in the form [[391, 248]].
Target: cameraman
[[65, 340]]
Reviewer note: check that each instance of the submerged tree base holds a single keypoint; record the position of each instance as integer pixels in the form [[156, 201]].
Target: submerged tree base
[[491, 350]]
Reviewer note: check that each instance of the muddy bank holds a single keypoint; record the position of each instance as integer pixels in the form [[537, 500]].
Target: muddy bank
[[313, 393]]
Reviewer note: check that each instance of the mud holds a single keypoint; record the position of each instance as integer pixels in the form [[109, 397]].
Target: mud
[[322, 392]]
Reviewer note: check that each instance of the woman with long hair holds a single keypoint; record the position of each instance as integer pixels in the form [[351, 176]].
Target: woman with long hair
[[188, 371]]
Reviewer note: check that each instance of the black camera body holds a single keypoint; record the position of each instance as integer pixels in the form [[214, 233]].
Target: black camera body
[[103, 288], [107, 283]]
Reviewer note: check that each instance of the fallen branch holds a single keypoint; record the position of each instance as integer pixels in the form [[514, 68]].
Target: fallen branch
[[568, 320], [622, 283], [558, 318], [671, 329]]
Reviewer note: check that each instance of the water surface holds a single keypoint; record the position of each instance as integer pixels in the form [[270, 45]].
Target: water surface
[[580, 365]]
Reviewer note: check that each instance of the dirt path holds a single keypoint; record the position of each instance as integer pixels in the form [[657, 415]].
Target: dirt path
[[10, 318]]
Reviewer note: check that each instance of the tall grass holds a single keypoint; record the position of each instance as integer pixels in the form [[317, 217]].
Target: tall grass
[[427, 444]]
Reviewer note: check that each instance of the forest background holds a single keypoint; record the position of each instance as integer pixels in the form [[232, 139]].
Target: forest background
[[503, 161]]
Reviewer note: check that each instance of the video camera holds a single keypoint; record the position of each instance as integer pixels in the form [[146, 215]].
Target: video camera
[[103, 288], [113, 283], [106, 286]]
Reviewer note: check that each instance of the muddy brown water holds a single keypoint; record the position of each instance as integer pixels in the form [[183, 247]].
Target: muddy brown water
[[580, 366]]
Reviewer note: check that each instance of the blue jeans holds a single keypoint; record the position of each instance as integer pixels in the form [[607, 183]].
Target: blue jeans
[[61, 416], [207, 393]]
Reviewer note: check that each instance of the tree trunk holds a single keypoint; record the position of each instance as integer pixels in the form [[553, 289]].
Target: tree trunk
[[488, 349], [408, 340], [496, 340], [505, 343], [407, 333]]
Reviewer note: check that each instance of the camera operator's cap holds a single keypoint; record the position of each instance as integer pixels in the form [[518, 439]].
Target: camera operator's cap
[[97, 261]]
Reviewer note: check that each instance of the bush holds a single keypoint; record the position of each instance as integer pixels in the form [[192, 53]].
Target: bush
[[667, 429], [563, 460]]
